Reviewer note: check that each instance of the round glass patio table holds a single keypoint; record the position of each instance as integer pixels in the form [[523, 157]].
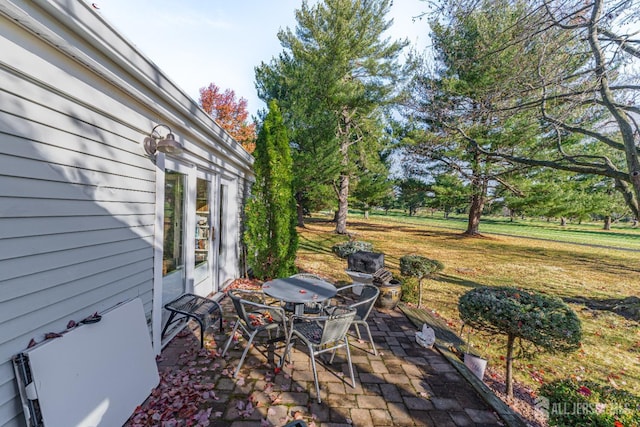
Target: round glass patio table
[[299, 291]]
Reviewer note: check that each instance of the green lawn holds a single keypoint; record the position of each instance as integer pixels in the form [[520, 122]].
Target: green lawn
[[621, 235], [586, 275]]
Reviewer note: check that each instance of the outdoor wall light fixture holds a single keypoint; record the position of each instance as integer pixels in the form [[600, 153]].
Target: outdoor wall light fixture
[[167, 144]]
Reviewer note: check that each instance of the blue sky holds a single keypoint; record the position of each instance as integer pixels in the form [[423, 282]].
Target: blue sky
[[196, 42]]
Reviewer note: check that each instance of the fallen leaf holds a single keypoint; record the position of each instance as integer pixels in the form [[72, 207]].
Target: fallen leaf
[[51, 335]]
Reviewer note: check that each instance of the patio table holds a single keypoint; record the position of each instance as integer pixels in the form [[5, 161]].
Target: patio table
[[299, 291]]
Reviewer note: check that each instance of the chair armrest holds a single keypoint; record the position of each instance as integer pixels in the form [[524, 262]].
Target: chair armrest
[[307, 318], [341, 288]]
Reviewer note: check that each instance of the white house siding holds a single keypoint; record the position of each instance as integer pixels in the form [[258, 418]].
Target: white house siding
[[78, 205]]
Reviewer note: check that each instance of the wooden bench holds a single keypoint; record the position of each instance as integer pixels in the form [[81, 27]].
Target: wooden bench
[[203, 310]]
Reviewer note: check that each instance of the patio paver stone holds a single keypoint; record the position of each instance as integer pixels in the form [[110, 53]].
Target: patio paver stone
[[405, 385]]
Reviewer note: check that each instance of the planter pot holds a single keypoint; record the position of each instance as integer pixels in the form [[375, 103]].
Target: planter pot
[[389, 295], [476, 364]]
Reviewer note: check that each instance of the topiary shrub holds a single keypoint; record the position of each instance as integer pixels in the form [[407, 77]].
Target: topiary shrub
[[547, 322], [419, 267], [345, 249], [586, 403]]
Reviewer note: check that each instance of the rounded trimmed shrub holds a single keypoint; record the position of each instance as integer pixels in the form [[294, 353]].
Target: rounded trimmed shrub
[[574, 403], [345, 249], [542, 320], [545, 321], [419, 266]]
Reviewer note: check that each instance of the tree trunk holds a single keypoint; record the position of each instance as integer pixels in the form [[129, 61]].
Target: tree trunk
[[479, 185], [343, 189], [419, 292], [300, 210], [475, 212], [563, 221], [607, 222], [343, 205], [366, 214], [509, 368]]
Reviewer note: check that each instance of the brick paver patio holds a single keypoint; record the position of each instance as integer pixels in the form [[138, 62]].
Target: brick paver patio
[[405, 385]]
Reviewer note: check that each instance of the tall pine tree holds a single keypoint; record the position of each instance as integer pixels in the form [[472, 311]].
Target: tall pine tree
[[338, 71], [270, 235]]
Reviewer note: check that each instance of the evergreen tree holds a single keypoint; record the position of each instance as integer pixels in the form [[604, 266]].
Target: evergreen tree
[[337, 73], [454, 105], [449, 193], [271, 236], [413, 194]]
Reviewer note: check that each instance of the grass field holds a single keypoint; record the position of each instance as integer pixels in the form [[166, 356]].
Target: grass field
[[621, 235], [586, 275]]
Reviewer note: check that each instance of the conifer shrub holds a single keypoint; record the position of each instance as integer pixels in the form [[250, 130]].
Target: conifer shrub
[[270, 213], [524, 317], [345, 249]]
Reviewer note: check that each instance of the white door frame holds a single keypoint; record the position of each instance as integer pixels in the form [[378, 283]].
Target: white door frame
[[217, 271], [188, 245]]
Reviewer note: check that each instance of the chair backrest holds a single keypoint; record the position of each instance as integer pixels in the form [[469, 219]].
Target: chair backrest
[[306, 276], [337, 324], [367, 299], [241, 299]]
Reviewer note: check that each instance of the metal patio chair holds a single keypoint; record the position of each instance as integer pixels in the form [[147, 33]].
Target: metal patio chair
[[254, 317], [322, 334], [363, 305]]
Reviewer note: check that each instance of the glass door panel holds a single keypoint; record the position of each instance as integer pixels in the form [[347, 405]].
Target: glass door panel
[[203, 236], [173, 270]]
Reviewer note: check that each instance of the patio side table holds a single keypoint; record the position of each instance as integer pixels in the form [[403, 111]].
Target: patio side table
[[203, 310]]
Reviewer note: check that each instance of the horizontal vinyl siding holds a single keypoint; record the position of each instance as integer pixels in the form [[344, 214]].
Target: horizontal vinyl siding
[[77, 200], [10, 408], [77, 190]]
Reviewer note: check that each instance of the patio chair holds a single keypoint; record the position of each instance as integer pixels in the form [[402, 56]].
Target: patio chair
[[310, 307], [363, 305], [254, 317], [322, 334]]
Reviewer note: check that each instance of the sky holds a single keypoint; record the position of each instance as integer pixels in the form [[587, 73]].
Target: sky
[[197, 42]]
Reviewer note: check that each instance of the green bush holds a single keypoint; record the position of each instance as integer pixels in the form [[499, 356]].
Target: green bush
[[419, 266], [409, 290], [586, 403], [345, 249], [542, 320], [546, 322]]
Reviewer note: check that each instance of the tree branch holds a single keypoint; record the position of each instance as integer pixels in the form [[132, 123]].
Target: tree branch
[[623, 42]]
